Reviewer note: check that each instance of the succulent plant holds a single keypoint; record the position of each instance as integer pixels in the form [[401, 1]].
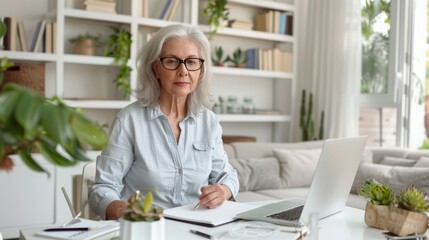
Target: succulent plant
[[142, 210], [412, 199], [238, 57], [376, 193], [217, 57]]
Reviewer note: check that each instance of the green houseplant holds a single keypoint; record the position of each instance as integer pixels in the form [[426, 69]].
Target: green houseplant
[[30, 122], [306, 122], [218, 56], [118, 46], [379, 198], [86, 44], [217, 13], [238, 58], [141, 220], [408, 216]]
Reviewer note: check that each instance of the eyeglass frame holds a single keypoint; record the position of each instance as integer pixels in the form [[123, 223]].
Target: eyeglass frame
[[182, 61]]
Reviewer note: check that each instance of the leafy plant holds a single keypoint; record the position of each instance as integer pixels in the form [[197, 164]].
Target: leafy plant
[[412, 199], [118, 47], [217, 13], [376, 193], [139, 210], [306, 122], [96, 39], [218, 56], [238, 58]]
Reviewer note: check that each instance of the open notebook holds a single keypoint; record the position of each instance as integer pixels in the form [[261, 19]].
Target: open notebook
[[208, 217]]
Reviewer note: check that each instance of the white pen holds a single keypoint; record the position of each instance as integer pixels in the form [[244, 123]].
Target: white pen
[[219, 179]]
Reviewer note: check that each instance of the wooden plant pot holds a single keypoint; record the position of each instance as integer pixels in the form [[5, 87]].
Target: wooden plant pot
[[402, 222], [142, 230], [376, 216], [85, 47]]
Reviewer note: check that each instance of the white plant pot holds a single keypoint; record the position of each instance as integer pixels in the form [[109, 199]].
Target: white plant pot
[[142, 230]]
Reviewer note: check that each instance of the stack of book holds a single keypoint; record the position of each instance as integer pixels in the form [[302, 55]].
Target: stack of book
[[269, 59], [278, 22], [107, 6], [235, 23]]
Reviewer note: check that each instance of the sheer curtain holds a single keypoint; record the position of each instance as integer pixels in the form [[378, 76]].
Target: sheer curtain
[[329, 64]]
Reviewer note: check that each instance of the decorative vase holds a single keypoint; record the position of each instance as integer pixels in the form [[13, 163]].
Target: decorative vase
[[142, 230], [403, 222], [85, 47], [376, 216]]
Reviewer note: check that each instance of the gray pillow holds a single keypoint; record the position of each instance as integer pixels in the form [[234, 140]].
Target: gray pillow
[[258, 173], [297, 166], [423, 162], [397, 177], [394, 161]]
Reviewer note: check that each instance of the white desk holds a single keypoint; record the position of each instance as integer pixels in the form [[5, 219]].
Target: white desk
[[348, 224]]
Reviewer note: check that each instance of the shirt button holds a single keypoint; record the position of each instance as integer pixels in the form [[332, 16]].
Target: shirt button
[[180, 171]]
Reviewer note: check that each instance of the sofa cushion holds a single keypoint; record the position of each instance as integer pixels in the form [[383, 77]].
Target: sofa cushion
[[422, 162], [397, 177], [394, 161], [257, 173], [297, 166]]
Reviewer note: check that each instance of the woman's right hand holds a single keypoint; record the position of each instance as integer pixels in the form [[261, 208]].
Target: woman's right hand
[[116, 209]]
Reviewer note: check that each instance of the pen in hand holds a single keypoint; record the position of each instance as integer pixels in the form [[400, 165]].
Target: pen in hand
[[219, 179]]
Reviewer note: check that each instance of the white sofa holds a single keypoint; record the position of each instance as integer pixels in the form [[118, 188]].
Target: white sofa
[[265, 174]]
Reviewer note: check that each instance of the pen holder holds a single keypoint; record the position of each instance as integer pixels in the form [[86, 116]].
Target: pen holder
[[154, 230]]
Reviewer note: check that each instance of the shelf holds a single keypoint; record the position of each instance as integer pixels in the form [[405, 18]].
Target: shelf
[[97, 104], [29, 56], [265, 4], [235, 32], [98, 16], [253, 118], [246, 72], [93, 60]]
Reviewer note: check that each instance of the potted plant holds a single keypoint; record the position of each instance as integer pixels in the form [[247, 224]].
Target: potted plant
[[218, 56], [408, 216], [86, 44], [379, 198], [30, 122], [141, 220], [238, 58], [118, 46], [217, 15]]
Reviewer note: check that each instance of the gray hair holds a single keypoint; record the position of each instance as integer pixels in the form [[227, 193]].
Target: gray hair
[[149, 90]]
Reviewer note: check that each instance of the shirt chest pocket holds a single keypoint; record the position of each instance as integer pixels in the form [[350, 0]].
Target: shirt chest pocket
[[203, 151]]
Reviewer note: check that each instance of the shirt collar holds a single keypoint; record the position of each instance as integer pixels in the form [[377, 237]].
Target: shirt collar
[[155, 112]]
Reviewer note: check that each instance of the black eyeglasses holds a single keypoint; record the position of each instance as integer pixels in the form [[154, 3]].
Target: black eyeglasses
[[173, 63]]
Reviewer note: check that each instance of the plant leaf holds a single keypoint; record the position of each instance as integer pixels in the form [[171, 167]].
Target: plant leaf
[[27, 112], [148, 202], [7, 103], [48, 149], [88, 132], [30, 162]]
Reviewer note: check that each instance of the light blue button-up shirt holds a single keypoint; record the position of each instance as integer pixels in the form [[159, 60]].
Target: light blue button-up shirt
[[143, 154]]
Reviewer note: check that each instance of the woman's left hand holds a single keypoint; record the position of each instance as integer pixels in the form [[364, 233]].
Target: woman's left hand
[[212, 196]]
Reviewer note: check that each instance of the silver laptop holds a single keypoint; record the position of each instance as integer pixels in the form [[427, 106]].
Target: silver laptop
[[329, 190]]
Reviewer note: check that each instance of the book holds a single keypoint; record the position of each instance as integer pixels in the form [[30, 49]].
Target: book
[[98, 8], [165, 9], [11, 36], [251, 58], [97, 229], [282, 26], [173, 10], [289, 24], [48, 38], [240, 24], [109, 4], [21, 37], [208, 217], [54, 37], [36, 41], [261, 22]]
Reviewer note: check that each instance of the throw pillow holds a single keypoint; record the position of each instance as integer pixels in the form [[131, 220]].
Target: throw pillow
[[257, 173], [394, 161], [297, 166], [397, 177], [423, 162]]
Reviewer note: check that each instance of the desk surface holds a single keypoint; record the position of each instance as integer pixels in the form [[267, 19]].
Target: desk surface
[[348, 224]]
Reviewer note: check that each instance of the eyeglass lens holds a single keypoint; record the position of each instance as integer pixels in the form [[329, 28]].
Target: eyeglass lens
[[173, 63]]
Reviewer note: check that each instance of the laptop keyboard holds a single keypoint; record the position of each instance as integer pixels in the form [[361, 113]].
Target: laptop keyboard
[[289, 215]]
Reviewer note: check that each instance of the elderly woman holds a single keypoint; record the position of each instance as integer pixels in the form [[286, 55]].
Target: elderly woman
[[168, 140]]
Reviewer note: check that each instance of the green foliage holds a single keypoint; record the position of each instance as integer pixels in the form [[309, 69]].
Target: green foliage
[[96, 39], [3, 29], [217, 56], [376, 193], [413, 200], [217, 13], [306, 122], [238, 57], [139, 210], [118, 47], [30, 122]]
